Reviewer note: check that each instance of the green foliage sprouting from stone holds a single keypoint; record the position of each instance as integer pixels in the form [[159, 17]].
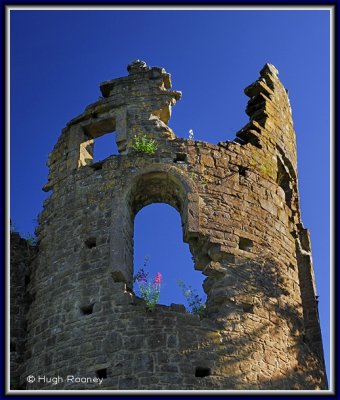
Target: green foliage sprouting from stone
[[144, 144], [195, 302], [148, 290]]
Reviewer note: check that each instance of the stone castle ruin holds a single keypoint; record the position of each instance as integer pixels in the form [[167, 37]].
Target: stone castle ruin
[[73, 310]]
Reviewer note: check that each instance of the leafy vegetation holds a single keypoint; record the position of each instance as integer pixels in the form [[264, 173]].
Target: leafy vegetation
[[144, 144], [149, 291], [195, 302]]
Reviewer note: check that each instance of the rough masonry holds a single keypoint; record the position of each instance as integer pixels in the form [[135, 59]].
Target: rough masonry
[[76, 314]]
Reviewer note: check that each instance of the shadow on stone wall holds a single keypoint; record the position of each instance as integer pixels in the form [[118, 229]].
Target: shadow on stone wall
[[253, 310]]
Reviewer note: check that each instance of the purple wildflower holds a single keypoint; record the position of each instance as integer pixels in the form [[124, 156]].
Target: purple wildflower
[[142, 276]]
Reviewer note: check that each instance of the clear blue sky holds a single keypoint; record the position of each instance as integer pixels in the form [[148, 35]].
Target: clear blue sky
[[58, 59]]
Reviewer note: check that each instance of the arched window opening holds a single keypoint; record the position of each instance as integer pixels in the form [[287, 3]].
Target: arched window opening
[[104, 146], [158, 235]]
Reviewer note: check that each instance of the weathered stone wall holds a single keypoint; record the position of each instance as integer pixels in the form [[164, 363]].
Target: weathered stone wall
[[22, 254], [239, 207]]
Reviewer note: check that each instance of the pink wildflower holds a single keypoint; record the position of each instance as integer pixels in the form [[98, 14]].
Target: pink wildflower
[[158, 278]]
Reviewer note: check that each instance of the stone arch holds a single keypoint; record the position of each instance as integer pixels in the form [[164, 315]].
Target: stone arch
[[159, 184]]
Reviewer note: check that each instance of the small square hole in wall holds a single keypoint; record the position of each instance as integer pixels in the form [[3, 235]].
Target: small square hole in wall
[[245, 244], [87, 310], [91, 242], [101, 373], [180, 158], [242, 170], [201, 372], [118, 276], [248, 308]]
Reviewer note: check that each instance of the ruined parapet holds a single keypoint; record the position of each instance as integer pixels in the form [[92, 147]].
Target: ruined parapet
[[134, 105], [239, 207], [271, 129]]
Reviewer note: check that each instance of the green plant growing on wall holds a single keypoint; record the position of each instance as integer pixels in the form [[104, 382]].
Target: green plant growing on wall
[[149, 291], [144, 144], [195, 302]]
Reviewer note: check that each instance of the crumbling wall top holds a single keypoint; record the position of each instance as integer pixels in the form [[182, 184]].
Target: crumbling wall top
[[139, 70]]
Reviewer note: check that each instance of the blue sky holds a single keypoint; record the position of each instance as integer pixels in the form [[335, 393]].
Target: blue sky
[[58, 59]]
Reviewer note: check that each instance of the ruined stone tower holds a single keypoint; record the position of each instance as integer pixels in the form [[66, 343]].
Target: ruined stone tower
[[239, 207]]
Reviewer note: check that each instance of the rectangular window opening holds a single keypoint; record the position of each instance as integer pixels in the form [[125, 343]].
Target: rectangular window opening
[[104, 146]]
